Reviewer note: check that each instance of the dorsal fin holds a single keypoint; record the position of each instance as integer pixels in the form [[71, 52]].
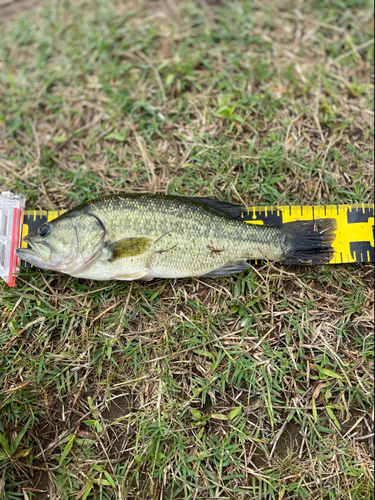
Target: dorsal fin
[[225, 208]]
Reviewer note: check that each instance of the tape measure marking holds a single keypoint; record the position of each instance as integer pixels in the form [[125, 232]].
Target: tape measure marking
[[355, 227]]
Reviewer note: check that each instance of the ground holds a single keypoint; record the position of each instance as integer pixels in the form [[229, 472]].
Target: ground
[[9, 9], [255, 386]]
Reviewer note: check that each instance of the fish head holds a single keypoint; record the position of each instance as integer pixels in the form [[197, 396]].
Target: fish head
[[67, 244]]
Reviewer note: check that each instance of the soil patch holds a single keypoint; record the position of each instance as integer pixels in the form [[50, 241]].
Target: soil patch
[[11, 8]]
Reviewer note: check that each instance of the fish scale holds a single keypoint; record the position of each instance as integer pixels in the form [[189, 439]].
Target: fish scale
[[184, 234]]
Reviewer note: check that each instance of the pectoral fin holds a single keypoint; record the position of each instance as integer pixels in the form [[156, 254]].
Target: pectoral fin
[[128, 247]]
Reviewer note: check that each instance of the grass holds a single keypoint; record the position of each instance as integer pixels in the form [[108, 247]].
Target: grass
[[252, 387]]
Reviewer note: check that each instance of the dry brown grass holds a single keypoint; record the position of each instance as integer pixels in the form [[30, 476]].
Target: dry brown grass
[[127, 391]]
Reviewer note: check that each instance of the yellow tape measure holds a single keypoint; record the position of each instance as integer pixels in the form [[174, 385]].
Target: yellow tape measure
[[354, 240], [354, 236]]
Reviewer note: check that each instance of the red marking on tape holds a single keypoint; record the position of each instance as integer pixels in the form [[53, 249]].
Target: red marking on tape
[[13, 260]]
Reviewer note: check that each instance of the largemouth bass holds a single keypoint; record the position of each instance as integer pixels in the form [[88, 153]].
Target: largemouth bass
[[139, 236]]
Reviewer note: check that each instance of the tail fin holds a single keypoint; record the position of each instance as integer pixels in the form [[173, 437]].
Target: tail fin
[[311, 241]]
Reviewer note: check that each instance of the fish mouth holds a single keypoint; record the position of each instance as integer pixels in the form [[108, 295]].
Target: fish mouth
[[39, 251]]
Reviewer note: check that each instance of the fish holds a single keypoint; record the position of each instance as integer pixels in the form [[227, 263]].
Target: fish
[[142, 236]]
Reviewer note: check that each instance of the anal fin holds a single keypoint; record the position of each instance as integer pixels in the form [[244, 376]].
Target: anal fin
[[234, 267]]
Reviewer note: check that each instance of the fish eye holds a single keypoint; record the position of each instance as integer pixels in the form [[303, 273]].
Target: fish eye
[[44, 230]]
